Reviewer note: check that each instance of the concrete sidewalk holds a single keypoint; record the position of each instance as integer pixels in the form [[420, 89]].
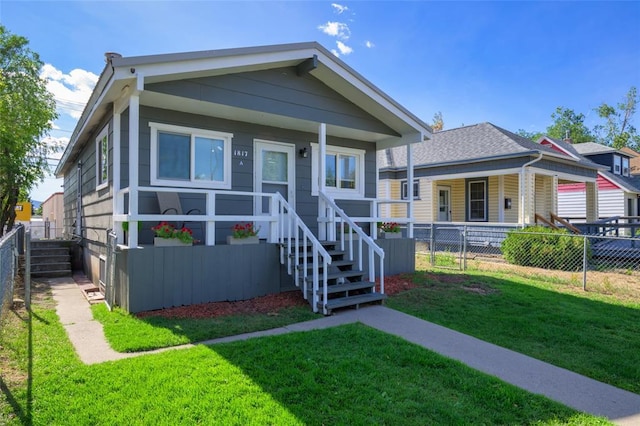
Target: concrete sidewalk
[[564, 386]]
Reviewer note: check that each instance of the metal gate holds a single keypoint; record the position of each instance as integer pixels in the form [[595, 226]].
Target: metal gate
[[447, 247], [110, 272]]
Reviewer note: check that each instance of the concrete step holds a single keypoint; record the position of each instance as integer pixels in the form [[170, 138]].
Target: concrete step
[[50, 266], [50, 259], [51, 274]]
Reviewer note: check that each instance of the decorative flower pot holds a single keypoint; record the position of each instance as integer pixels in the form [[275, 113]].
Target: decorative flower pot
[[249, 240], [168, 242], [390, 235]]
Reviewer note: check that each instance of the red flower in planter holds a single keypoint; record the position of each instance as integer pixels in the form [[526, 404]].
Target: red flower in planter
[[244, 231], [167, 230]]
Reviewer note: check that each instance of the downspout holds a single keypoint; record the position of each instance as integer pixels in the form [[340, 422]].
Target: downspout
[[522, 174], [78, 230]]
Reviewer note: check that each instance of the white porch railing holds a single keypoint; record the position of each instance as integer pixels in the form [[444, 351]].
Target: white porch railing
[[295, 240], [331, 213], [285, 228]]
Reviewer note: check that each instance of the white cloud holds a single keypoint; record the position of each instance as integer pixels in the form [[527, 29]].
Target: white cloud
[[336, 29], [335, 53], [339, 8], [343, 48], [71, 91], [369, 44], [58, 144]]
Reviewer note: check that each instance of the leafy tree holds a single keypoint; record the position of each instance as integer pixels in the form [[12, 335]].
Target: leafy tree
[[534, 136], [617, 130], [567, 123], [438, 122], [27, 110]]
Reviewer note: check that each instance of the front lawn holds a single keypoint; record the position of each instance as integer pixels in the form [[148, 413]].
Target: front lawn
[[345, 375], [591, 334]]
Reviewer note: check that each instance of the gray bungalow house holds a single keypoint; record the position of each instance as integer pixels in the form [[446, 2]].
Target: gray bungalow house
[[283, 137], [482, 175]]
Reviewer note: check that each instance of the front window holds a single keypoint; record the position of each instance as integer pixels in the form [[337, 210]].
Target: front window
[[416, 190], [102, 158], [344, 170], [477, 201], [182, 156]]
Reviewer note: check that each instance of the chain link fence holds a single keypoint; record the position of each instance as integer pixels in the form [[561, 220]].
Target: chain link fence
[[11, 246], [590, 259]]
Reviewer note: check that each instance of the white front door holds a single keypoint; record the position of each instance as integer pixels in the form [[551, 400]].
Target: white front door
[[444, 204], [274, 171]]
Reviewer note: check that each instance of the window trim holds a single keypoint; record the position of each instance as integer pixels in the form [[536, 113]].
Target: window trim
[[104, 133], [337, 150], [617, 161], [404, 189], [192, 133], [625, 169], [485, 182]]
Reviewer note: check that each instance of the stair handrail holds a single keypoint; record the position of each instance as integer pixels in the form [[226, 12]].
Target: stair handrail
[[564, 223], [372, 247], [289, 221]]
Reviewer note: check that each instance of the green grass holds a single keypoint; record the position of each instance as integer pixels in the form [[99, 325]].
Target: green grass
[[594, 335], [346, 375], [127, 333]]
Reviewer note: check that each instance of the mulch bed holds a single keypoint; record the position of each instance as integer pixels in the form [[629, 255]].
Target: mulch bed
[[269, 304]]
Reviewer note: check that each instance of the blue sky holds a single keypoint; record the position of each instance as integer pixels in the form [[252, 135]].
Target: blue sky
[[509, 63]]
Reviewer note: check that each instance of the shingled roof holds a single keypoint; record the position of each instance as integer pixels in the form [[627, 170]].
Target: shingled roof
[[483, 141]]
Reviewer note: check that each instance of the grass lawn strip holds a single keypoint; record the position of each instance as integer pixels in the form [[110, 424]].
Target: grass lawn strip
[[593, 335], [128, 333], [349, 375]]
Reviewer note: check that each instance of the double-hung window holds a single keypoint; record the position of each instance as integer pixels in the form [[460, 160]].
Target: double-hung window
[[405, 190], [187, 157], [625, 166], [477, 200], [344, 171], [102, 158]]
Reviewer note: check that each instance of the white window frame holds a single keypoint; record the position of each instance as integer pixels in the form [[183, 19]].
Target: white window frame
[[404, 193], [617, 164], [192, 133], [100, 166], [485, 200], [625, 166], [338, 150]]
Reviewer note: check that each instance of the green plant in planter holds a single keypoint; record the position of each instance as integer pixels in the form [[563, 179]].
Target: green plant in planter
[[125, 226]]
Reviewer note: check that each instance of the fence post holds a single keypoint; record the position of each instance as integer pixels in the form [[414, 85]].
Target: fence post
[[464, 248], [584, 264], [27, 270], [431, 244]]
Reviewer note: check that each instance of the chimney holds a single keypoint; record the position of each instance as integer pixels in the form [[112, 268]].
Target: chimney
[[567, 139]]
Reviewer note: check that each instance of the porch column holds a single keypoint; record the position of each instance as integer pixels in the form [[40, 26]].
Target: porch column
[[591, 192], [501, 198], [554, 195], [322, 181], [117, 201], [134, 127], [410, 190]]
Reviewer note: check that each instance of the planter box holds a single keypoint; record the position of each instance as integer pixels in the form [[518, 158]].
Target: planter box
[[168, 242], [391, 235], [249, 240]]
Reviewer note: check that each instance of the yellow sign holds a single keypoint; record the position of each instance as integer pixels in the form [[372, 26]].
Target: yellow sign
[[23, 212]]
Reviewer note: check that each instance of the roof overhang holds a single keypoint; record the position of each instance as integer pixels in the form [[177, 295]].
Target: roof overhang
[[122, 74]]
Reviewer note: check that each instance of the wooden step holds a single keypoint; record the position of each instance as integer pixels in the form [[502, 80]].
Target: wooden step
[[337, 288], [356, 301], [345, 274]]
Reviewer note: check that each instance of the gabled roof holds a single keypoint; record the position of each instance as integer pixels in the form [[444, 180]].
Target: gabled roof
[[570, 150], [478, 142], [628, 184], [123, 76], [590, 148]]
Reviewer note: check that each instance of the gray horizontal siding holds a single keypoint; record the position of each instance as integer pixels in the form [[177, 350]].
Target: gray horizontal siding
[[277, 91]]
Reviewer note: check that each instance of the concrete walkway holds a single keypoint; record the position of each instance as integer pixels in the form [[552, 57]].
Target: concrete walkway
[[564, 386]]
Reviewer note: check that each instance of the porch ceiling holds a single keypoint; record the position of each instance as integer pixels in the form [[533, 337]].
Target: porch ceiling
[[177, 103]]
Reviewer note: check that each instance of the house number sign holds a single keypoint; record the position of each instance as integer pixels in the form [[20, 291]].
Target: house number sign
[[241, 154]]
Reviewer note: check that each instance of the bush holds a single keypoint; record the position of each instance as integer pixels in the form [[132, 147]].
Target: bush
[[544, 247]]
